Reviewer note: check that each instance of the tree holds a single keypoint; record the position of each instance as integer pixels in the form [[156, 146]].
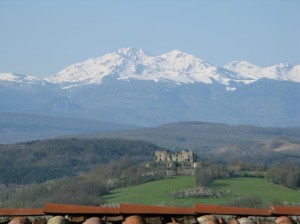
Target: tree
[[286, 174], [203, 177]]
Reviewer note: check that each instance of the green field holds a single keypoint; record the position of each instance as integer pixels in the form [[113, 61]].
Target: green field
[[156, 192]]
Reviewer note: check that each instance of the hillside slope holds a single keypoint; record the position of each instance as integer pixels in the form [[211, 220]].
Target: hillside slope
[[38, 161], [249, 143]]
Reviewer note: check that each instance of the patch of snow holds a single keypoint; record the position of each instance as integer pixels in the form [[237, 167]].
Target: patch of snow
[[9, 77], [281, 71], [228, 88]]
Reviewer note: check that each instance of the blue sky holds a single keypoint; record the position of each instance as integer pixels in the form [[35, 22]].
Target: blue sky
[[40, 37]]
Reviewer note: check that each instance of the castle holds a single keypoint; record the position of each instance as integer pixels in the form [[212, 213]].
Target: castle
[[174, 163]]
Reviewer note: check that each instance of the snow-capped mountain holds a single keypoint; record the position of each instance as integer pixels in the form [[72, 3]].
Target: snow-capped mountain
[[130, 86], [17, 78], [131, 63], [175, 66], [281, 71]]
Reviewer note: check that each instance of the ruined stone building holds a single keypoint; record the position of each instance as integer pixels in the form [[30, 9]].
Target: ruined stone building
[[174, 163]]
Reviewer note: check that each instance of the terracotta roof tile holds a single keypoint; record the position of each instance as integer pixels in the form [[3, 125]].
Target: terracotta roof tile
[[227, 210], [19, 220], [21, 211], [151, 209], [285, 210], [139, 209], [50, 208]]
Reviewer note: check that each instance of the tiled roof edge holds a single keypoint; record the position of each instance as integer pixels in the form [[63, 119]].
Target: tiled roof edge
[[21, 211], [154, 209], [65, 209], [228, 210], [51, 208], [285, 210]]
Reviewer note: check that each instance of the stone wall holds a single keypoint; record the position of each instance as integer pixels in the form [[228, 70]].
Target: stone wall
[[182, 156], [150, 219]]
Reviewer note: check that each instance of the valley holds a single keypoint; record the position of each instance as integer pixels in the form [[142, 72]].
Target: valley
[[96, 168], [158, 192], [89, 129]]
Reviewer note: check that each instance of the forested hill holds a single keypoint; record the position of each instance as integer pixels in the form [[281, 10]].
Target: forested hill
[[38, 161], [248, 143]]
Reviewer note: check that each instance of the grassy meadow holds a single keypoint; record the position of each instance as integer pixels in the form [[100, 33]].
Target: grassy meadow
[[157, 192]]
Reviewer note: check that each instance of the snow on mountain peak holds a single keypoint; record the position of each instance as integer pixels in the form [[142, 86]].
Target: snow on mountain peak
[[135, 64], [7, 76], [244, 68], [284, 65], [131, 53], [187, 68], [174, 66], [178, 55], [11, 77], [281, 71], [175, 54], [239, 64]]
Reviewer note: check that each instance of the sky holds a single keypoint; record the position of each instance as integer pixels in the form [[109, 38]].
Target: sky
[[41, 37]]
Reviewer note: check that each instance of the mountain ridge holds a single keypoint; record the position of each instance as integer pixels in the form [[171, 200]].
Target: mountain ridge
[[132, 87], [20, 127], [174, 66]]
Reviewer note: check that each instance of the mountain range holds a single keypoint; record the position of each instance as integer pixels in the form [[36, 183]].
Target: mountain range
[[132, 87]]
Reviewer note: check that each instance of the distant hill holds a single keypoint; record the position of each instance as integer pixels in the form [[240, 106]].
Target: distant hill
[[221, 140], [20, 127]]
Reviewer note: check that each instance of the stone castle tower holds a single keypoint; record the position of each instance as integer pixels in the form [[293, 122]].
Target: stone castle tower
[[174, 163], [183, 156]]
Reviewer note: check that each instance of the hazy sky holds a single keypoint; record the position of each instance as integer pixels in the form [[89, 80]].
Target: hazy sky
[[40, 37]]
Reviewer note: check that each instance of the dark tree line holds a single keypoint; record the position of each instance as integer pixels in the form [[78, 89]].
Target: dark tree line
[[85, 189], [284, 173]]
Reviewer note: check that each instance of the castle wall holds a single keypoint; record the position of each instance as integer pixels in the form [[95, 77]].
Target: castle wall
[[177, 163], [183, 156]]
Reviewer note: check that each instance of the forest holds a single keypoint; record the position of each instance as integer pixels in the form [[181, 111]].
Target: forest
[[38, 161]]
